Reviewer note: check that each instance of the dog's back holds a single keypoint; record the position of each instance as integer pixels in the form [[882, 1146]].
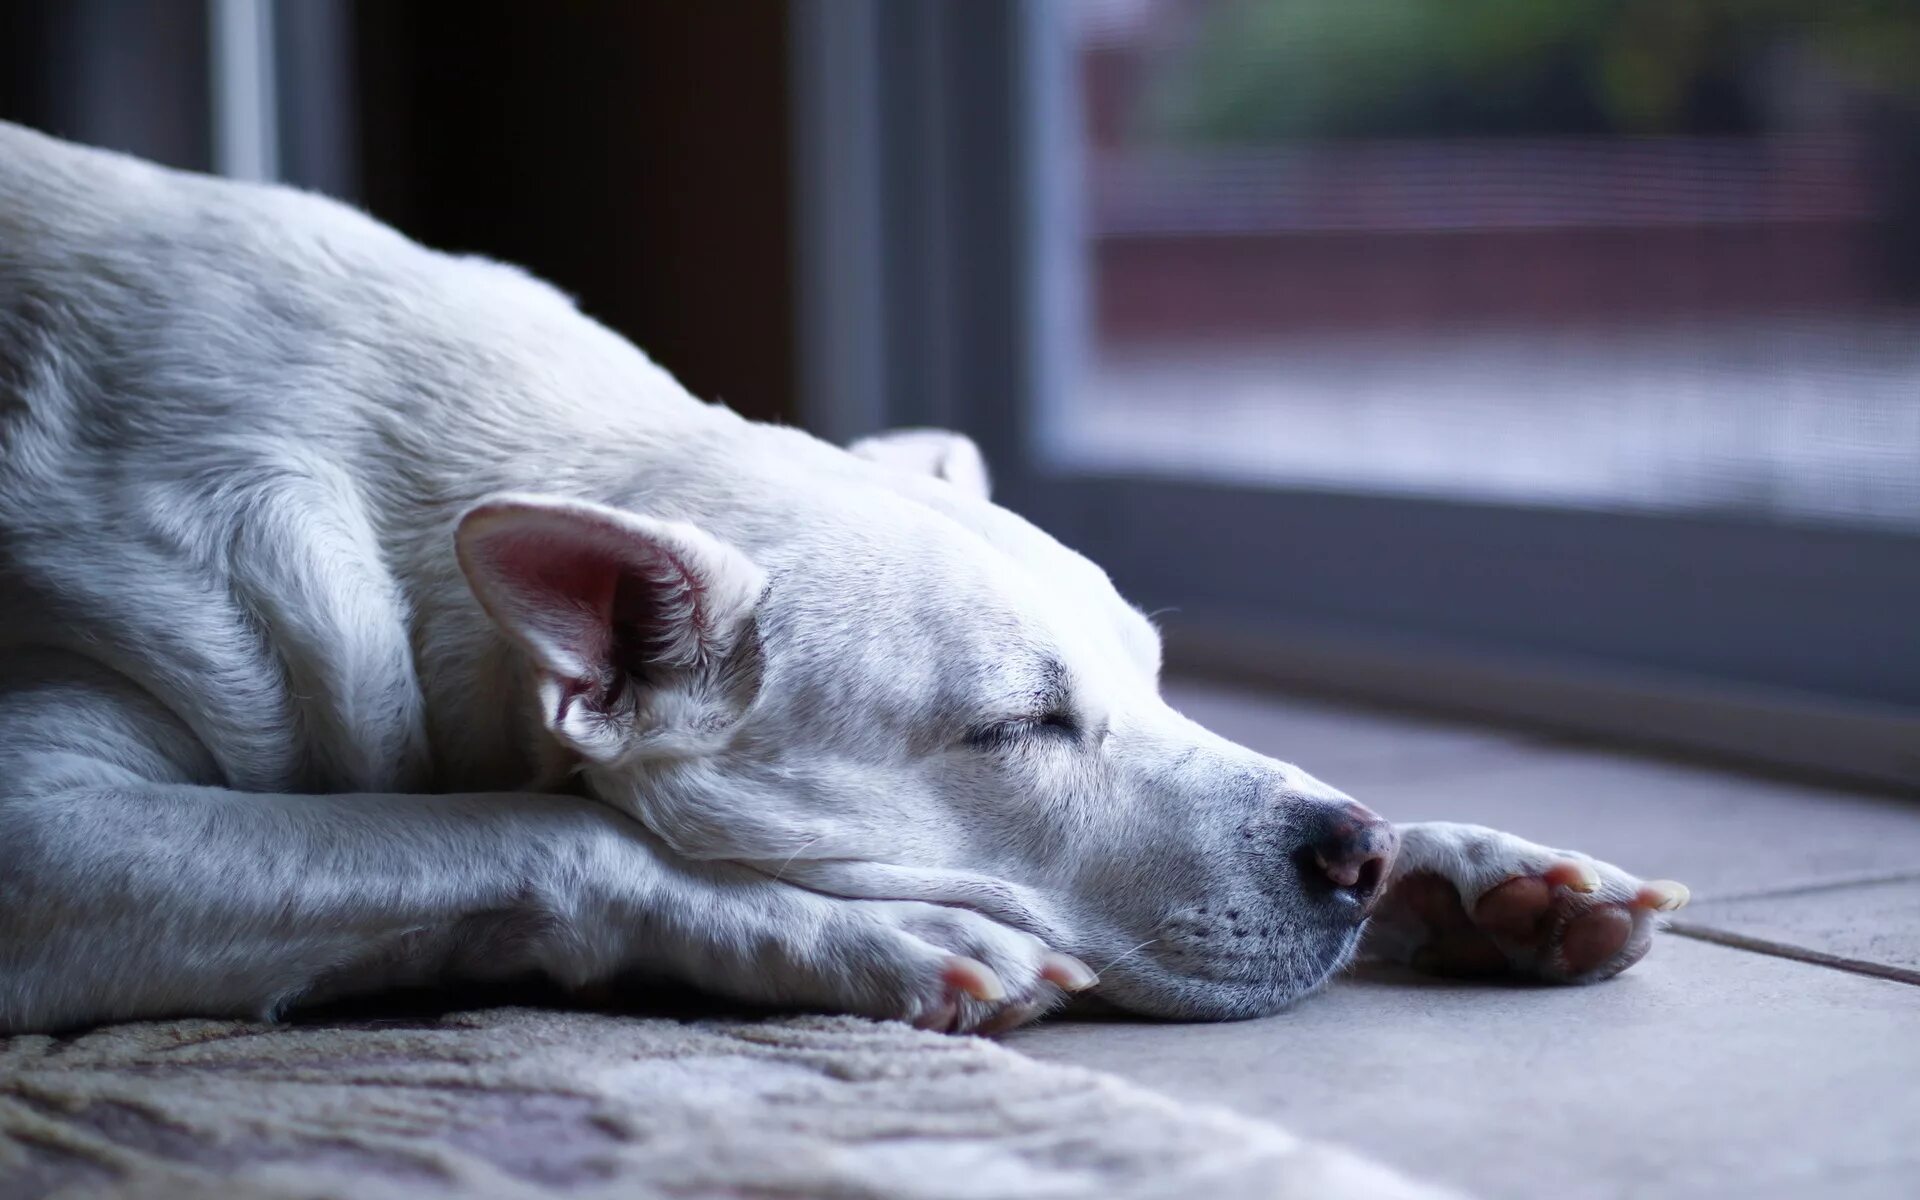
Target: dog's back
[[234, 420], [157, 435]]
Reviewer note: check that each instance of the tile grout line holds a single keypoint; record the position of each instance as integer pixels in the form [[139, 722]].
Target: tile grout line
[[1740, 941]]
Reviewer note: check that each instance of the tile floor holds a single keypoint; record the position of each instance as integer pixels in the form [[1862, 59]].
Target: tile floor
[[1772, 1050]]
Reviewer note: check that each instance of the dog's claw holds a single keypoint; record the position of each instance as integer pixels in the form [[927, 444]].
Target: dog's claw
[[1663, 895], [939, 1019], [975, 978], [1009, 1018], [1067, 972], [1574, 876]]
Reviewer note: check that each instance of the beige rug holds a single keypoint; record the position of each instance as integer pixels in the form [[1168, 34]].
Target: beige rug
[[535, 1103]]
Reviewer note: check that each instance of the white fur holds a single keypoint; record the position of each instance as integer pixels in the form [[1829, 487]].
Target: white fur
[[936, 452], [263, 739]]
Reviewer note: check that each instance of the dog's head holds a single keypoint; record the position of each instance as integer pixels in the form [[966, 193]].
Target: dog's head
[[856, 673]]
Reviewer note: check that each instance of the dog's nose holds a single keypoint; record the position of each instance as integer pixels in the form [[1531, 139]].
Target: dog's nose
[[1352, 849]]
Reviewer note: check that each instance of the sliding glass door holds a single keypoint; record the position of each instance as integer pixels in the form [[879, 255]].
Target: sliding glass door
[[1559, 363]]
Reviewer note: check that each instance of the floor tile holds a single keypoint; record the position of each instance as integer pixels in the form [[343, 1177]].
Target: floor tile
[[1869, 925], [1325, 738], [1704, 1072]]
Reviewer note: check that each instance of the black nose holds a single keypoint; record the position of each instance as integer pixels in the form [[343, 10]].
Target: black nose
[[1351, 850]]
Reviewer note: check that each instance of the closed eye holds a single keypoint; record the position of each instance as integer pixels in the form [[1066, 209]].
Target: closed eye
[[998, 735]]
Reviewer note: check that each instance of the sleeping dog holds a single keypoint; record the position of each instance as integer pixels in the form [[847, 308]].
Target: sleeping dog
[[372, 618]]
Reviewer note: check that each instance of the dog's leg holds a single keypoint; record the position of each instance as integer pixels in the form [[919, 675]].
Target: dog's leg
[[121, 899], [1468, 900], [128, 890]]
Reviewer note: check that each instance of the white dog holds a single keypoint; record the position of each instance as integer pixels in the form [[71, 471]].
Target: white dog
[[371, 617]]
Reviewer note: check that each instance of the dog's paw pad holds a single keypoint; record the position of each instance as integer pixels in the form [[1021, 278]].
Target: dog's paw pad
[[1567, 922], [1594, 939], [1516, 909]]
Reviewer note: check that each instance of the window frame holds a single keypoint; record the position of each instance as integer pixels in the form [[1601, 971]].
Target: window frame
[[936, 227]]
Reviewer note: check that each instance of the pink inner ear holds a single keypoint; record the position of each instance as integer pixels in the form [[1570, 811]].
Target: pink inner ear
[[592, 600], [557, 594]]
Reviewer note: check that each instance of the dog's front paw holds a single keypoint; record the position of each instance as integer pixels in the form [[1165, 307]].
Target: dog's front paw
[[1467, 900], [950, 969]]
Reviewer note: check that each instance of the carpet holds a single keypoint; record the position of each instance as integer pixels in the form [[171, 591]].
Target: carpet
[[535, 1103]]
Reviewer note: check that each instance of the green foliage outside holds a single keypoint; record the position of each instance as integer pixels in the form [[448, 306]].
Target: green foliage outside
[[1260, 70]]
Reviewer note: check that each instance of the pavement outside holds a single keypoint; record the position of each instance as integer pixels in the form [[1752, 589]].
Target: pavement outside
[[1795, 415], [1767, 1047]]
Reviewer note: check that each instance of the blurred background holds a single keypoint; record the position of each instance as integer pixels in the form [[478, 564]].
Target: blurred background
[[1552, 361]]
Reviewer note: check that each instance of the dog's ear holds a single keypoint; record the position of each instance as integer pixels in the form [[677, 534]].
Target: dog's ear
[[638, 628], [940, 453]]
